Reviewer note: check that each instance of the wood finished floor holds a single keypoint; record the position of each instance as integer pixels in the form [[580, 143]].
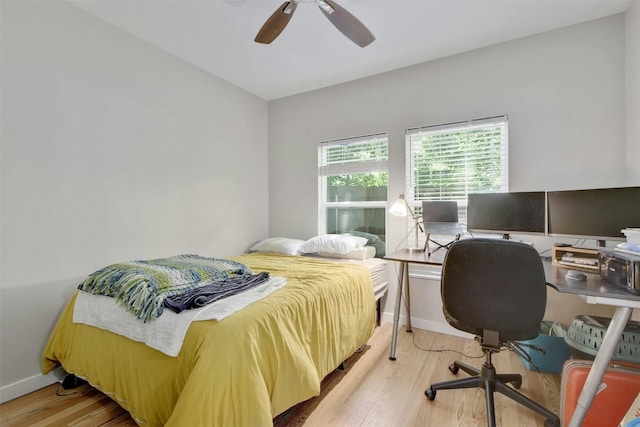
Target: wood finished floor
[[372, 391]]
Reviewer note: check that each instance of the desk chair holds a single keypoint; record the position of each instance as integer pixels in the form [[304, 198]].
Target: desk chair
[[495, 289]]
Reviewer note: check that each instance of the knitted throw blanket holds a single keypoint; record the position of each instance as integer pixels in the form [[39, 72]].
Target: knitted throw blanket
[[142, 287]]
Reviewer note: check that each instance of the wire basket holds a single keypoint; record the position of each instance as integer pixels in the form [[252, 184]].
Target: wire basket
[[585, 335]]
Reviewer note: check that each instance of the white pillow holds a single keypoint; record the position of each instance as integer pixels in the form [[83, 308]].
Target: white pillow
[[335, 243], [364, 252], [278, 245]]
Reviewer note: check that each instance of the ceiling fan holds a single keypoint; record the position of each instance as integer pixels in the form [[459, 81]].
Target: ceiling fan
[[348, 24]]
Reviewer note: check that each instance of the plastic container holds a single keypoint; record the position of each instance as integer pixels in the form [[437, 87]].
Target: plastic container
[[586, 333], [551, 339], [632, 235]]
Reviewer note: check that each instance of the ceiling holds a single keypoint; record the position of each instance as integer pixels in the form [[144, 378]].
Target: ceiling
[[217, 35]]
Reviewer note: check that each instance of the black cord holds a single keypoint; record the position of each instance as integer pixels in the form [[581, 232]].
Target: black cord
[[410, 232], [545, 251], [66, 394], [413, 336], [444, 350]]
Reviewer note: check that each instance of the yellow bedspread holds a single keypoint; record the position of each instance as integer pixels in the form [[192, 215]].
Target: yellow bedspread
[[242, 371]]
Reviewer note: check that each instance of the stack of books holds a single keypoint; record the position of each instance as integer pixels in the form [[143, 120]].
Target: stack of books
[[584, 262]]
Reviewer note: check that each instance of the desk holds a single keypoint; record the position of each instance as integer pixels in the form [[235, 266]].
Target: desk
[[405, 257], [594, 290]]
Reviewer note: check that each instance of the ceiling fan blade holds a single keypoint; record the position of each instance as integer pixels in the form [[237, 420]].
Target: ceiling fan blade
[[276, 22], [348, 24]]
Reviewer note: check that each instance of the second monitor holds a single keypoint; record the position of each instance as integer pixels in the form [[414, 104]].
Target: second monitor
[[505, 213]]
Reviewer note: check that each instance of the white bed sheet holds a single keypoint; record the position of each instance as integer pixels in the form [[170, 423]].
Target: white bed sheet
[[167, 332]]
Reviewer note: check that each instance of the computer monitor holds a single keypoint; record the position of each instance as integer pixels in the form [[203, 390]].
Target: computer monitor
[[598, 214], [505, 213]]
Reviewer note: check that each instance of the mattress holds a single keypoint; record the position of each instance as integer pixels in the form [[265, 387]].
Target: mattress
[[377, 268]]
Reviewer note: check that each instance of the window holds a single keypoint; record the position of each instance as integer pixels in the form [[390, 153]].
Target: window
[[447, 162], [353, 185]]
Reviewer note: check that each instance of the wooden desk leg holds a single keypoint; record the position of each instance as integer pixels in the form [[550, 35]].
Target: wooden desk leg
[[600, 364], [407, 297], [396, 311]]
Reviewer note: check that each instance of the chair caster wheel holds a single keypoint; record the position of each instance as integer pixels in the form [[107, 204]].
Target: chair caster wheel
[[551, 423], [517, 384], [431, 394], [454, 369]]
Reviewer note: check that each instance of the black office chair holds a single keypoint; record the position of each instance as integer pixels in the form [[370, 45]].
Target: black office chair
[[495, 289]]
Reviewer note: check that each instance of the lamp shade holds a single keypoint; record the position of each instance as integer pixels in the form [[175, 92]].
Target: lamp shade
[[399, 207]]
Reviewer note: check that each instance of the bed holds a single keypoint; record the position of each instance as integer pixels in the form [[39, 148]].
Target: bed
[[242, 370]]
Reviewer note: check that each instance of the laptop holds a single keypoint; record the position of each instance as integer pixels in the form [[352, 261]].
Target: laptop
[[441, 218]]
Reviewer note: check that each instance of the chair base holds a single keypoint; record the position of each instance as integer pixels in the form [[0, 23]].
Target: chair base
[[487, 379]]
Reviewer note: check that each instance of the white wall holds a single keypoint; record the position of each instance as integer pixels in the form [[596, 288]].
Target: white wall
[[564, 93], [632, 46], [111, 150]]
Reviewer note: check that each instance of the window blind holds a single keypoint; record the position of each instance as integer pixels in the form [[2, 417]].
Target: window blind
[[354, 155], [447, 162]]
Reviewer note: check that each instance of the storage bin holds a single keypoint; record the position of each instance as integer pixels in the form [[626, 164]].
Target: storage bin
[[551, 339], [586, 333]]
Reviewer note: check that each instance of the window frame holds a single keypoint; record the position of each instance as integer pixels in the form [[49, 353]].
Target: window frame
[[411, 135], [349, 168]]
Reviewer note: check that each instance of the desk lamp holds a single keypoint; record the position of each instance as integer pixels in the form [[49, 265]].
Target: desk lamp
[[401, 208]]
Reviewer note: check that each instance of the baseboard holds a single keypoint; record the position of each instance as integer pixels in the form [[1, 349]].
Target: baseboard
[[428, 325], [26, 386]]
